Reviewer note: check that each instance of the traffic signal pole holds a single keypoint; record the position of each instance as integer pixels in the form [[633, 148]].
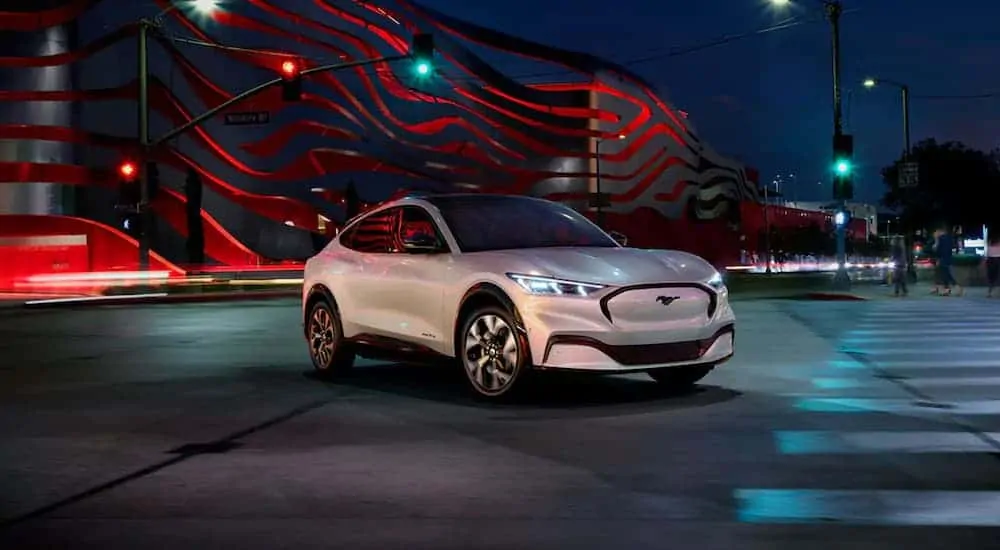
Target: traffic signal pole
[[834, 9], [242, 96], [144, 206], [423, 47]]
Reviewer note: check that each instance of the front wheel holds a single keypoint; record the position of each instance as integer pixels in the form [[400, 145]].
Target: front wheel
[[331, 354], [494, 355], [681, 377]]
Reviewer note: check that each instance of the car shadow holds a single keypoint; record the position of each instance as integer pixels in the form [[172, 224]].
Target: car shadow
[[541, 391]]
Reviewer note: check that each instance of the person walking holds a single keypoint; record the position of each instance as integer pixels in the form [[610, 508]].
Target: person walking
[[943, 250], [899, 265], [992, 262]]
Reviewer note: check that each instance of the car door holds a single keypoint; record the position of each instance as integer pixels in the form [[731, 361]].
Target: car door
[[415, 279], [397, 293], [368, 250]]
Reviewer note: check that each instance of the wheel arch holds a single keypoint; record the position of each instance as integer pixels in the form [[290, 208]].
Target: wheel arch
[[318, 292], [479, 295]]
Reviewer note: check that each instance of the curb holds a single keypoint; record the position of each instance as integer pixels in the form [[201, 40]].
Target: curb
[[831, 297], [160, 298]]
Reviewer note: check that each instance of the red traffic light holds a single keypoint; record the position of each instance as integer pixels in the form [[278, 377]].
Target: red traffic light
[[127, 170], [289, 69]]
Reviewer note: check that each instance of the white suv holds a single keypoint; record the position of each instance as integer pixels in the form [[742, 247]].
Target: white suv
[[507, 284]]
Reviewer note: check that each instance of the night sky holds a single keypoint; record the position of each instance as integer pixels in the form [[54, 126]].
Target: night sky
[[766, 100]]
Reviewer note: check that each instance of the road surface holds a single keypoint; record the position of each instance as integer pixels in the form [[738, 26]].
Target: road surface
[[839, 425]]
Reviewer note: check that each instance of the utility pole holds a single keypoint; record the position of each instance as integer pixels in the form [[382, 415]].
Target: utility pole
[[834, 9]]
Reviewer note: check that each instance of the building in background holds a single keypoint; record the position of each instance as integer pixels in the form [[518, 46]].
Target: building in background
[[274, 191], [864, 216]]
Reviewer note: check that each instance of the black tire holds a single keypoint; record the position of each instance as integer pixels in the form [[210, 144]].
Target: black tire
[[681, 377], [331, 354], [500, 377]]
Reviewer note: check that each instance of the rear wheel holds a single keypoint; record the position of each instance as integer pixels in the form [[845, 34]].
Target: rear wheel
[[493, 354], [331, 354], [681, 377]]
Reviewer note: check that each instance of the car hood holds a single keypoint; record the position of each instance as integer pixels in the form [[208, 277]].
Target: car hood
[[609, 266]]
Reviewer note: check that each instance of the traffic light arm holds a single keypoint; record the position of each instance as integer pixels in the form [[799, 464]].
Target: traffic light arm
[[260, 88]]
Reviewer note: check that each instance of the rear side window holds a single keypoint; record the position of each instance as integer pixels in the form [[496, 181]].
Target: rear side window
[[372, 234]]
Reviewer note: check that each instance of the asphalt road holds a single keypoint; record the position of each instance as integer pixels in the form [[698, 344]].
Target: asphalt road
[[839, 425]]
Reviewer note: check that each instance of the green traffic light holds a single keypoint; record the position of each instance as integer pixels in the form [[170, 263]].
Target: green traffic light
[[843, 167], [423, 68]]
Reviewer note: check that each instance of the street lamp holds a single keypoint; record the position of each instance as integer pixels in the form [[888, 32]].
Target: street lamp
[[599, 197], [205, 7], [911, 270], [834, 9], [905, 92]]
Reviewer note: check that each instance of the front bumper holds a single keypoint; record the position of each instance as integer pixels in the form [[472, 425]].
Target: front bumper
[[631, 329]]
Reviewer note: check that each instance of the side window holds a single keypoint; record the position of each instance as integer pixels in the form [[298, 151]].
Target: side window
[[373, 233], [415, 221]]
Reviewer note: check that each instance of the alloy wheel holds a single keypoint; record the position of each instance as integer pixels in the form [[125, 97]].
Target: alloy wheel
[[322, 337], [491, 354]]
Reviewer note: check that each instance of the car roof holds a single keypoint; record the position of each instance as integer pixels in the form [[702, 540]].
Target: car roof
[[437, 200]]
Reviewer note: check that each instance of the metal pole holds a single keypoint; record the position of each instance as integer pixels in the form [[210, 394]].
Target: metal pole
[[767, 232], [833, 10], [906, 122], [911, 269], [600, 210], [260, 88], [143, 101]]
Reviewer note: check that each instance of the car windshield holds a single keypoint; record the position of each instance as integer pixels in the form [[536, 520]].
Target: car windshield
[[500, 222]]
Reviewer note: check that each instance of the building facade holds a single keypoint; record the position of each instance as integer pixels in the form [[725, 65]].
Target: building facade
[[272, 192]]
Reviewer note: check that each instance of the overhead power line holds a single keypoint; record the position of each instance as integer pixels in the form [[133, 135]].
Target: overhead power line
[[986, 95], [676, 51]]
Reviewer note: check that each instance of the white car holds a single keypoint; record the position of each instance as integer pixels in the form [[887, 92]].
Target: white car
[[508, 284]]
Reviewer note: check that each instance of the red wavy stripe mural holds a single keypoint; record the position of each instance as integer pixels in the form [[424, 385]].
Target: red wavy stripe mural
[[219, 244], [490, 133], [27, 21]]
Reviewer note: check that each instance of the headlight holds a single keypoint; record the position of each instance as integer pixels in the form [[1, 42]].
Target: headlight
[[716, 282], [547, 286]]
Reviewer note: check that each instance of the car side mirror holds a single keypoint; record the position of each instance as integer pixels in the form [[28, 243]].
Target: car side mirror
[[619, 238], [422, 243]]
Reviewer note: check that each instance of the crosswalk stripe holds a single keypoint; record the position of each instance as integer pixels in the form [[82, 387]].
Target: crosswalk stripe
[[932, 363], [922, 339], [919, 330], [918, 382], [924, 324], [878, 507], [819, 442], [903, 406], [924, 350]]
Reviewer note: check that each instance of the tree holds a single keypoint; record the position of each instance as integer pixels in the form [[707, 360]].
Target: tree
[[957, 186]]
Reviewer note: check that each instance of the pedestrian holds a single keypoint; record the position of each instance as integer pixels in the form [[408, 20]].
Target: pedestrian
[[943, 249], [899, 265], [992, 261]]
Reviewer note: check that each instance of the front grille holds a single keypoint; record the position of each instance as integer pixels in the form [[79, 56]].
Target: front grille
[[646, 354], [713, 297]]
